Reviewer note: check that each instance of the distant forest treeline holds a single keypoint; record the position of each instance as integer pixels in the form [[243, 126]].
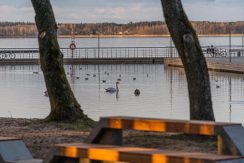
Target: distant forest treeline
[[21, 29]]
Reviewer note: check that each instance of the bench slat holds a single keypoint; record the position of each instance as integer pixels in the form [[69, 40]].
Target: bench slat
[[136, 155], [8, 138], [166, 125]]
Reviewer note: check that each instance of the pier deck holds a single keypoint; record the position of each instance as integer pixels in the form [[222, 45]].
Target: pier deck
[[215, 64]]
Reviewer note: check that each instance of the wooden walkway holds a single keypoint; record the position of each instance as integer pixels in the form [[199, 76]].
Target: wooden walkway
[[212, 65], [158, 60]]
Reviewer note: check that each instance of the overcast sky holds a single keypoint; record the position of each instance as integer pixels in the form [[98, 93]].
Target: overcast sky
[[122, 11]]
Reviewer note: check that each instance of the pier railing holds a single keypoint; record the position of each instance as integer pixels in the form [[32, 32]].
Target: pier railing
[[114, 52]]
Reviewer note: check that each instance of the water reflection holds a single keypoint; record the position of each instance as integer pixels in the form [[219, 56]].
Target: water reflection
[[163, 91]]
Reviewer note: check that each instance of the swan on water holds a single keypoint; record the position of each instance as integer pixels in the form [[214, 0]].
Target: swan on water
[[112, 89]]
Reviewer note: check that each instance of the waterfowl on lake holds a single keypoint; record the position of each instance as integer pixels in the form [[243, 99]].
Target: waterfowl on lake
[[112, 89], [46, 93], [137, 92]]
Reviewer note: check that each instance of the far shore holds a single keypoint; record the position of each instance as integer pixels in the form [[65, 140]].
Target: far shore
[[124, 36], [142, 36]]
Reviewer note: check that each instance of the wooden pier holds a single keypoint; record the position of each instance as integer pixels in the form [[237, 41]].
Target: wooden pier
[[92, 55], [158, 60], [122, 55], [213, 65]]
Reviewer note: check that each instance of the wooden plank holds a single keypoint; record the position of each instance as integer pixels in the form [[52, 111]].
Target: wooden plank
[[8, 138], [136, 155], [166, 125]]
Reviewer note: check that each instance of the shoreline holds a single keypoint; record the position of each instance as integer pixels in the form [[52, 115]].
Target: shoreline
[[124, 36]]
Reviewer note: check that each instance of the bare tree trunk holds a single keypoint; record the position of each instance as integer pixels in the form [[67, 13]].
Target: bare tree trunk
[[64, 106], [189, 49]]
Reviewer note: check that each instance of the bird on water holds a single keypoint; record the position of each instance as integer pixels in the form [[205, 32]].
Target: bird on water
[[112, 89], [46, 94], [137, 92]]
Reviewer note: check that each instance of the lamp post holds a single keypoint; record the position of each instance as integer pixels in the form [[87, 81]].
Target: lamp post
[[242, 45], [171, 47], [230, 42], [94, 32]]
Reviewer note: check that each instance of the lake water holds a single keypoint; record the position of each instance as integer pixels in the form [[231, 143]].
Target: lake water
[[163, 89], [115, 42]]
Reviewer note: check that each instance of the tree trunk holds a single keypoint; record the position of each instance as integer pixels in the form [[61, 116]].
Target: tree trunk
[[189, 49], [64, 106]]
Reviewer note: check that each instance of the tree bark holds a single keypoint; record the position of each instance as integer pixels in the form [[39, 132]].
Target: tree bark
[[64, 106], [189, 49]]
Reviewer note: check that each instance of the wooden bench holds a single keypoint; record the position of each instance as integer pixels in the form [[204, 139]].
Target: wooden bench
[[83, 153], [109, 131], [14, 150]]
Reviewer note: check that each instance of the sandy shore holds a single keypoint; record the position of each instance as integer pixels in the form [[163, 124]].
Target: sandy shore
[[41, 136]]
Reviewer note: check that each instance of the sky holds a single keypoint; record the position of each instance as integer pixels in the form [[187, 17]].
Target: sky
[[123, 11]]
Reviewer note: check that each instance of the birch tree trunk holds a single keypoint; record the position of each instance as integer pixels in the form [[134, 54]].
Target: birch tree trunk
[[189, 49], [64, 106]]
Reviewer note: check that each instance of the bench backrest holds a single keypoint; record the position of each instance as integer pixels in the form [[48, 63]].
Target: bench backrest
[[165, 125]]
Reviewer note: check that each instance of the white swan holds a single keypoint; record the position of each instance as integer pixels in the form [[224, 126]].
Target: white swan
[[112, 89]]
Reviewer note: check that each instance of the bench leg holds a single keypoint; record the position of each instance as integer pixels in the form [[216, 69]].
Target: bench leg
[[220, 145], [109, 137], [226, 147], [58, 159], [83, 160]]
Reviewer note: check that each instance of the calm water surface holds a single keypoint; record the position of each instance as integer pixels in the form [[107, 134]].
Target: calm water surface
[[115, 42], [163, 89], [163, 92]]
